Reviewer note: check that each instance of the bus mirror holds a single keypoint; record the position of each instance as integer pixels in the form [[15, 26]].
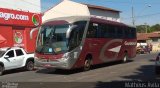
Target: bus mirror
[[31, 32], [70, 30]]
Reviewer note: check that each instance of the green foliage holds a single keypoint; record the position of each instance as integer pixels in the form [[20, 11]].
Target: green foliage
[[155, 27], [147, 28]]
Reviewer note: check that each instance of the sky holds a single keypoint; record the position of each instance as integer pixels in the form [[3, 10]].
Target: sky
[[145, 11]]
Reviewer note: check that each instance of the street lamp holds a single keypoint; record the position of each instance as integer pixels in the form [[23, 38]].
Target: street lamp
[[146, 6]]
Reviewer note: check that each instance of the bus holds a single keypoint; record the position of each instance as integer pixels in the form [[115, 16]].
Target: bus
[[76, 42]]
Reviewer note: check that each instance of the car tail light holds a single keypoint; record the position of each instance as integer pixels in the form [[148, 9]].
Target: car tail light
[[157, 59]]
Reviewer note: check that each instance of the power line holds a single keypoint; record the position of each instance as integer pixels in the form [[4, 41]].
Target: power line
[[34, 4], [121, 2], [143, 16]]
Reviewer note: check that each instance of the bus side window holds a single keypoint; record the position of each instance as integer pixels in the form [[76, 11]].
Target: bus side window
[[133, 32], [120, 33], [126, 32], [104, 31], [77, 34], [80, 28], [112, 31], [91, 33], [130, 33], [73, 39]]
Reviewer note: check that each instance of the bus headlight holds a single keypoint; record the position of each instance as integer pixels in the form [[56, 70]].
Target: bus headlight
[[65, 56]]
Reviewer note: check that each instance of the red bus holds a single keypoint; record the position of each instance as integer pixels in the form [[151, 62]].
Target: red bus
[[75, 42]]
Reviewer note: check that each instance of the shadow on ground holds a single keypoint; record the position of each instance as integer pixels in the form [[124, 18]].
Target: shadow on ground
[[19, 70], [13, 71], [145, 73], [68, 72]]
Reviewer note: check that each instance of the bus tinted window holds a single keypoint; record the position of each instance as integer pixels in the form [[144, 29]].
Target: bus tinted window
[[112, 31], [133, 32], [126, 32], [104, 31], [81, 27], [120, 32], [77, 34], [130, 32], [92, 29]]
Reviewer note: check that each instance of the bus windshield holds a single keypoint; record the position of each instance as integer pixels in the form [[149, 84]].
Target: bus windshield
[[52, 39]]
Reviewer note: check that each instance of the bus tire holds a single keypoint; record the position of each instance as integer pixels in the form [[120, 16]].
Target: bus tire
[[125, 58], [87, 63], [1, 70]]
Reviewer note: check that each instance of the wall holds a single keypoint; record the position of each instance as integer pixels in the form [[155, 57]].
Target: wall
[[155, 44], [114, 16], [30, 44], [15, 27], [24, 5], [156, 47], [66, 9], [6, 32]]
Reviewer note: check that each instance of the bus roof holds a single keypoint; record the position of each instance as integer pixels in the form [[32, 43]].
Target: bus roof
[[94, 19]]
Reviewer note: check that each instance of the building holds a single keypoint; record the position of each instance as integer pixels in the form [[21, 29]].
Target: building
[[17, 23], [69, 8], [104, 12], [22, 5], [150, 38]]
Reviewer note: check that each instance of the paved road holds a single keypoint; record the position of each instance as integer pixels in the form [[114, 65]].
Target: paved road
[[141, 69]]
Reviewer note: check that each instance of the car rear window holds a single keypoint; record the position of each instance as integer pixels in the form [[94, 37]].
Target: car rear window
[[19, 52]]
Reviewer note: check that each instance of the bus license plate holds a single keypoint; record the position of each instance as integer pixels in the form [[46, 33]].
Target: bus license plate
[[47, 65]]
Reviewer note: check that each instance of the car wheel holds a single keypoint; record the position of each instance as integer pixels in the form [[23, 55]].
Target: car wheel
[[125, 58], [1, 70], [29, 65], [87, 64]]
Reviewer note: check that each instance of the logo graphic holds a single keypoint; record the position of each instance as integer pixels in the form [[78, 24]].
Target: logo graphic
[[7, 16], [36, 19], [115, 49], [18, 37], [130, 43]]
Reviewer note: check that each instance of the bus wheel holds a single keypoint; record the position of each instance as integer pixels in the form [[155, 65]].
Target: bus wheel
[[1, 70], [87, 64], [125, 58]]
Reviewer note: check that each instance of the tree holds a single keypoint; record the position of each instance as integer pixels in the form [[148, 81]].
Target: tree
[[155, 27], [144, 28]]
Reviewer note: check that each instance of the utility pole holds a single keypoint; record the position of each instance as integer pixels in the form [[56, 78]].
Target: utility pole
[[133, 18], [146, 28]]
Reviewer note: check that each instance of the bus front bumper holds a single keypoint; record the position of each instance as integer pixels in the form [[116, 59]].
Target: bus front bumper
[[59, 64]]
